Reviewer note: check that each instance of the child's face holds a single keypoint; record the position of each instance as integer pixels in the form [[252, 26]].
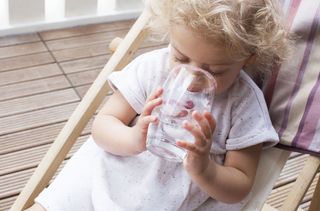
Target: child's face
[[188, 47]]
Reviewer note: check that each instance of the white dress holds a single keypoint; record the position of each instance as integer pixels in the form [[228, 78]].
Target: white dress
[[144, 181]]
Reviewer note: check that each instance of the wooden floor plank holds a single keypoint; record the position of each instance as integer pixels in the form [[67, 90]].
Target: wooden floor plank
[[27, 158], [34, 137], [6, 202], [25, 61], [11, 184], [22, 49], [82, 90], [36, 102], [85, 40], [31, 73], [83, 78], [33, 87], [84, 64], [35, 119], [81, 52], [84, 30], [18, 39], [92, 50], [96, 62]]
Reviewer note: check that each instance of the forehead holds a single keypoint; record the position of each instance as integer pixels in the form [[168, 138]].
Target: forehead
[[197, 48]]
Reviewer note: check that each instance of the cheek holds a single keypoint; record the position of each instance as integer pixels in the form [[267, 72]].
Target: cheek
[[224, 82]]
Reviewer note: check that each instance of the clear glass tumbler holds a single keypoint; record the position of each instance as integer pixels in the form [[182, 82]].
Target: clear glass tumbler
[[186, 89]]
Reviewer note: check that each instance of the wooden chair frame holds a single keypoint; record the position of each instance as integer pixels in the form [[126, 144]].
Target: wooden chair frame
[[274, 158]]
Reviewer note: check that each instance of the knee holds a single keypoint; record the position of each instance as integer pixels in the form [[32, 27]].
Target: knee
[[36, 207]]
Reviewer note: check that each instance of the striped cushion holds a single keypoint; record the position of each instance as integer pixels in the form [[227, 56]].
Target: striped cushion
[[293, 91]]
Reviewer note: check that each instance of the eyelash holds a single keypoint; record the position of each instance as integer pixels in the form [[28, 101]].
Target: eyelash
[[181, 60]]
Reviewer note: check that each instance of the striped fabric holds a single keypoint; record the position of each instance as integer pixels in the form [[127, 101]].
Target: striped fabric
[[293, 91]]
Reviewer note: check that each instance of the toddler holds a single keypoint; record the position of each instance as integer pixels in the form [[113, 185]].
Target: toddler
[[114, 171]]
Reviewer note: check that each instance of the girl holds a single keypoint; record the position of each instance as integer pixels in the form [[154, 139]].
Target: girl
[[223, 37]]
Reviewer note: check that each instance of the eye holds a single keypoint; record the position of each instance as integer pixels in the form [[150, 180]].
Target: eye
[[216, 73], [181, 60]]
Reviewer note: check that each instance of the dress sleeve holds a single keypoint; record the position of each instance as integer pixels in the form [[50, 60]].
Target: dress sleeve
[[130, 85], [250, 121]]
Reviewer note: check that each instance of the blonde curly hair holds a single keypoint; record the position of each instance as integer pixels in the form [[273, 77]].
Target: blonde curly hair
[[245, 27]]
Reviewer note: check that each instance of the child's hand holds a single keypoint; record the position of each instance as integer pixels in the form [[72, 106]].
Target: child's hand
[[141, 127], [197, 159]]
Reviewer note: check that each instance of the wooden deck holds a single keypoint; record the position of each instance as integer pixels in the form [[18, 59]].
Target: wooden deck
[[43, 76]]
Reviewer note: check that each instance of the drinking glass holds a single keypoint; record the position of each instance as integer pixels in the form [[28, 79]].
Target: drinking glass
[[186, 89]]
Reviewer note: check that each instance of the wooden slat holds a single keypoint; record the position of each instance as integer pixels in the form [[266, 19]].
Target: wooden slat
[[25, 61], [35, 119], [33, 137], [31, 73], [302, 183], [35, 102], [294, 154], [279, 194], [6, 203], [305, 205], [291, 169], [315, 201], [33, 87], [22, 49], [18, 39], [84, 30]]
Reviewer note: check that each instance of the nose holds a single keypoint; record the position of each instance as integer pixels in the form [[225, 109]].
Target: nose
[[195, 64]]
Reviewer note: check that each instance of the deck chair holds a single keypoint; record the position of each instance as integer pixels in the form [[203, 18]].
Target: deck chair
[[294, 111]]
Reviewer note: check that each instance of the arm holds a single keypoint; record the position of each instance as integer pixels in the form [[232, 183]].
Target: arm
[[231, 182], [228, 183], [110, 128]]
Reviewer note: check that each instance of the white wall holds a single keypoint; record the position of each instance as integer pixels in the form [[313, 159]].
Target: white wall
[[24, 16]]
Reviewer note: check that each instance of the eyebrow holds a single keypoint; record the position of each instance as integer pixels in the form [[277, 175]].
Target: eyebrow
[[222, 64]]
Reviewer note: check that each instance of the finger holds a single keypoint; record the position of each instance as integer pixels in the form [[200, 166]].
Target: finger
[[145, 121], [149, 106], [188, 146], [211, 120], [203, 123], [200, 138], [155, 94]]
